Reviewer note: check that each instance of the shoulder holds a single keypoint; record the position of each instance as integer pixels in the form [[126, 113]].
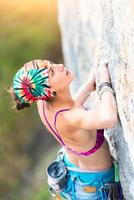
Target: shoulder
[[85, 119], [73, 116]]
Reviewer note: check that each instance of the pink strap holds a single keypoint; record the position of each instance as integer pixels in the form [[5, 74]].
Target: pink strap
[[55, 133], [99, 139]]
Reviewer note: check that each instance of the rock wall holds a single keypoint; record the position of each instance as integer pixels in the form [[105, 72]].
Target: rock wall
[[104, 29]]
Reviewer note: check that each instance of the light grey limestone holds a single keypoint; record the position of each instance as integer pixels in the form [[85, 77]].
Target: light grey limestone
[[104, 30]]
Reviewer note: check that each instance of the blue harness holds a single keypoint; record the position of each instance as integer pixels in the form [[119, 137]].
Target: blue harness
[[78, 181]]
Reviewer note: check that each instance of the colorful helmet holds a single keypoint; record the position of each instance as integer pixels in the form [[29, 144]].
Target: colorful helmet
[[31, 83]]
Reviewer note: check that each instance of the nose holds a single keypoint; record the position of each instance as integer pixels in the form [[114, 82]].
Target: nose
[[61, 67]]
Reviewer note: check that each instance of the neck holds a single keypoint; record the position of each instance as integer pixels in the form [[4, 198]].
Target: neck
[[62, 100]]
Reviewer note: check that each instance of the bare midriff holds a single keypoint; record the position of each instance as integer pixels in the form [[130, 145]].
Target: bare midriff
[[99, 160]]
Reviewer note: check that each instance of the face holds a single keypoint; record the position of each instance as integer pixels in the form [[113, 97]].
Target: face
[[59, 76]]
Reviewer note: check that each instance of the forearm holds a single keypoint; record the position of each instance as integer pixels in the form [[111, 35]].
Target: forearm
[[107, 106], [83, 93]]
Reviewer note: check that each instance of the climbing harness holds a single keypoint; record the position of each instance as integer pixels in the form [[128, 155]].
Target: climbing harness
[[63, 180]]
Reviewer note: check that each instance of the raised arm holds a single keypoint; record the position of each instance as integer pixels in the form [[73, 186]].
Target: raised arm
[[84, 92], [104, 115]]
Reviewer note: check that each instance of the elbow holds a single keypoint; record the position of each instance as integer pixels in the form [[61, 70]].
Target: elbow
[[110, 121]]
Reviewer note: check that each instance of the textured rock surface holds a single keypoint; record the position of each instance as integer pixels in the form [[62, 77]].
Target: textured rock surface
[[104, 29]]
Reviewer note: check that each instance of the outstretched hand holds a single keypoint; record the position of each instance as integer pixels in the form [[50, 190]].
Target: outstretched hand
[[92, 79], [102, 73]]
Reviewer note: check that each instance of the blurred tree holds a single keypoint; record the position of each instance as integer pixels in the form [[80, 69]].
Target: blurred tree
[[28, 30]]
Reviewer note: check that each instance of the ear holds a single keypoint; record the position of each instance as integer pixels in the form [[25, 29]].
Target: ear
[[54, 93]]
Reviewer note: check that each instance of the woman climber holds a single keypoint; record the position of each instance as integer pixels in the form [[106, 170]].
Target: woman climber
[[87, 171]]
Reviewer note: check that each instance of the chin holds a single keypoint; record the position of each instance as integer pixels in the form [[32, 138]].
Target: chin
[[73, 76]]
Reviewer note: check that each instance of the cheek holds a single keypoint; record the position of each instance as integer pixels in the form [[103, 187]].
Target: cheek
[[56, 82], [59, 82]]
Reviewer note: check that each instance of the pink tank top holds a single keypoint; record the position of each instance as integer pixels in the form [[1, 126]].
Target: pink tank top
[[99, 138]]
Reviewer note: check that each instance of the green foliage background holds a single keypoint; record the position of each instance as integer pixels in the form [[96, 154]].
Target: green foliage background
[[28, 30]]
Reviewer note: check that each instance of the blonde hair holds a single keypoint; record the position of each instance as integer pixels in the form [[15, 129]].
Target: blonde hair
[[18, 104]]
